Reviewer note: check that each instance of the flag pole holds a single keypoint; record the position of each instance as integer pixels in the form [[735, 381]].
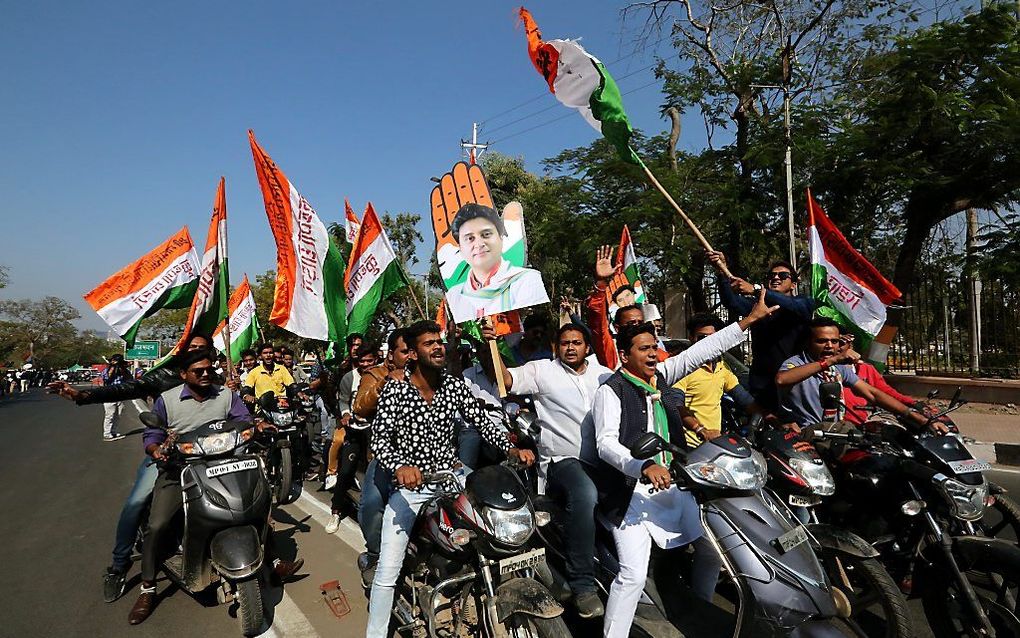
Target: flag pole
[[687, 220], [410, 288], [226, 324]]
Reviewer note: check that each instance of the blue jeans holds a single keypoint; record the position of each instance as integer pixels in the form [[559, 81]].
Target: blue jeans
[[570, 484], [469, 445], [127, 525], [375, 492]]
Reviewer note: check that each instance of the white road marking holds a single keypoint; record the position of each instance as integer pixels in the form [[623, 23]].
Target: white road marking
[[289, 622], [999, 468], [349, 533]]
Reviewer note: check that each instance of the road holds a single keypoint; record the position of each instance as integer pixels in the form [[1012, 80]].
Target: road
[[63, 489]]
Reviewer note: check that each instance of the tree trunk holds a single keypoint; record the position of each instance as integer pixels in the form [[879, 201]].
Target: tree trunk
[[918, 228], [674, 135], [734, 245]]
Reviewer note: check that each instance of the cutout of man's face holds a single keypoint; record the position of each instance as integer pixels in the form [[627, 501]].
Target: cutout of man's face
[[625, 298], [481, 245]]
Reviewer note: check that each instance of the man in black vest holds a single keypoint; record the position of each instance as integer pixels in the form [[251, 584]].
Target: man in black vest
[[635, 400]]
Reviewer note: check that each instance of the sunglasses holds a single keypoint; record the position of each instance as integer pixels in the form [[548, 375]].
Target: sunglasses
[[781, 276], [202, 372]]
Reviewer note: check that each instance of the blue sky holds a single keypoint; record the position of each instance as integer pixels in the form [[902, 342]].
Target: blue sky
[[119, 117]]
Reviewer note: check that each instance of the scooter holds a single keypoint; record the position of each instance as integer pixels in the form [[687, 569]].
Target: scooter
[[226, 515]]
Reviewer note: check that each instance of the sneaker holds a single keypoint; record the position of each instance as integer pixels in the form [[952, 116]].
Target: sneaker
[[330, 481], [367, 564], [113, 584], [588, 605], [113, 437], [333, 525]]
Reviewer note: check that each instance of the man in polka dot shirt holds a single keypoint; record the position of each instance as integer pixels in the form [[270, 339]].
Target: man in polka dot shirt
[[413, 436]]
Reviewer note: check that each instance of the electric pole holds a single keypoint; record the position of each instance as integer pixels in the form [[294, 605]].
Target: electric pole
[[788, 160], [473, 150]]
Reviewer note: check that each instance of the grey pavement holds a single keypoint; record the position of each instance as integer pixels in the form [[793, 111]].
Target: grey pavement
[[63, 489]]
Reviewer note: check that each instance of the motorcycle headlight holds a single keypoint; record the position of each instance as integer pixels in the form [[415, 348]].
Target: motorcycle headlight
[[965, 501], [218, 443], [730, 471], [816, 475], [512, 527], [282, 419]]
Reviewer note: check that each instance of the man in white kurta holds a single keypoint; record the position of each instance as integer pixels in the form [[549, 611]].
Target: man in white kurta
[[667, 517]]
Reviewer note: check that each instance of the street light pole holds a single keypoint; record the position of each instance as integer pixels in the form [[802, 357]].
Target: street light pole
[[788, 160]]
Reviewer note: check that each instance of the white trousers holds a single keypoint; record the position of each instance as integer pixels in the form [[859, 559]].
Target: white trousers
[[634, 547], [111, 416]]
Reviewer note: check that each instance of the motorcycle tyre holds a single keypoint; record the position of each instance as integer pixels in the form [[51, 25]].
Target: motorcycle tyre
[[250, 614], [892, 601], [538, 627], [1009, 510], [284, 494], [940, 617]]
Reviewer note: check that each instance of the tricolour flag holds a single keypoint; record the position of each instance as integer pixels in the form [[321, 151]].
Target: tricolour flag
[[579, 80], [244, 324], [372, 274], [209, 307], [846, 287], [351, 223], [309, 298], [166, 277]]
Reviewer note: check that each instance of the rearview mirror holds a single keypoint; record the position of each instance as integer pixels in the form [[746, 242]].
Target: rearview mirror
[[829, 394], [151, 420], [956, 396], [934, 392], [512, 409], [647, 445]]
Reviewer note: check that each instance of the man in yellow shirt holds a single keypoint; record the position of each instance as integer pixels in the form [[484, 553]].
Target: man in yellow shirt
[[704, 388], [268, 376]]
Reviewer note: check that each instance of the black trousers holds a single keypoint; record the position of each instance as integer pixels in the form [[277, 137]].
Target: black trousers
[[167, 500], [351, 455]]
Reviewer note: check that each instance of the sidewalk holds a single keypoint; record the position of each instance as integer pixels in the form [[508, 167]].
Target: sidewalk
[[996, 436]]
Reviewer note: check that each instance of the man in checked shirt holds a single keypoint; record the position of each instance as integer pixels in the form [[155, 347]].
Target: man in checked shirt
[[413, 436]]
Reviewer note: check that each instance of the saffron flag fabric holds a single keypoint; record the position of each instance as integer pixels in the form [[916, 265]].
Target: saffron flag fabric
[[166, 277], [309, 298], [351, 223], [209, 306], [579, 80], [373, 274], [628, 275], [846, 287], [244, 324]]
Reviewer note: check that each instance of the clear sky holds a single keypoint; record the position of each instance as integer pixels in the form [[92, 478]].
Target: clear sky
[[118, 118]]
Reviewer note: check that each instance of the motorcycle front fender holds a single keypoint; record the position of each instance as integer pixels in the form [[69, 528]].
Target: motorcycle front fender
[[817, 629], [978, 552], [525, 596], [841, 540], [236, 552]]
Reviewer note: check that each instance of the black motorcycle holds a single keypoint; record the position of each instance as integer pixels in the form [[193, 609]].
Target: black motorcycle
[[226, 515], [285, 443], [918, 497], [470, 566]]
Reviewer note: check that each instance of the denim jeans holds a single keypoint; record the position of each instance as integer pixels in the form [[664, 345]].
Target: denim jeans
[[572, 487], [127, 525], [469, 445], [375, 492]]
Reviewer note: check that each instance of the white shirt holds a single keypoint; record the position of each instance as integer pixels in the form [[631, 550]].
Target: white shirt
[[481, 387], [563, 400], [671, 516]]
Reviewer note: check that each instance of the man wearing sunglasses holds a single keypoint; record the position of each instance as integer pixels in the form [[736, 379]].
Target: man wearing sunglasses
[[774, 338]]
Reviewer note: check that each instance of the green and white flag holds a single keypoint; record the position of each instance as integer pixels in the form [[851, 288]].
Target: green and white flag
[[244, 323]]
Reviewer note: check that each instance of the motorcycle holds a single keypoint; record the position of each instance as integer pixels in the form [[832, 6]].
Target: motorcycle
[[226, 515], [799, 476], [470, 566], [918, 497], [285, 444]]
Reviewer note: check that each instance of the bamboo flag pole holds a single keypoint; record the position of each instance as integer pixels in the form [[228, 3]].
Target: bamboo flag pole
[[687, 220]]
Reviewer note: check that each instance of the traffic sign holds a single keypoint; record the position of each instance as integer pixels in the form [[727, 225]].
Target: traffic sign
[[143, 351]]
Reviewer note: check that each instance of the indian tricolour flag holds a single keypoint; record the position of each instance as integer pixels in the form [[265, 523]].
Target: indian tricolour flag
[[846, 287], [166, 277], [351, 223], [579, 80], [209, 307], [373, 273], [309, 298], [244, 324]]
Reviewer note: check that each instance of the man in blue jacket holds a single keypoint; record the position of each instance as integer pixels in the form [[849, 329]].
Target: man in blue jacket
[[775, 338]]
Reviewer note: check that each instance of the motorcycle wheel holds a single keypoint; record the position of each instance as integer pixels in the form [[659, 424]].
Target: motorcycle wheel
[[997, 585], [522, 626], [1002, 519], [877, 606], [249, 606], [286, 483]]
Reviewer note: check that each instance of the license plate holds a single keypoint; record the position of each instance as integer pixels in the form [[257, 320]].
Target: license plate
[[521, 561], [227, 468], [969, 465], [791, 539], [804, 501]]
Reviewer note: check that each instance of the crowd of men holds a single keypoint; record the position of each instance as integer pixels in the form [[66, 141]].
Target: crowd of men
[[422, 404]]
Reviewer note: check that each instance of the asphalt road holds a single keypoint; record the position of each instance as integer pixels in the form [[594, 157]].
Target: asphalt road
[[63, 488]]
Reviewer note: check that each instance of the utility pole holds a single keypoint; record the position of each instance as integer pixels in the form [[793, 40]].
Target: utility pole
[[788, 160], [473, 150], [974, 288]]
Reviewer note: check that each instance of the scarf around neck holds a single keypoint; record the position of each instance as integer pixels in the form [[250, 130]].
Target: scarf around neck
[[660, 420]]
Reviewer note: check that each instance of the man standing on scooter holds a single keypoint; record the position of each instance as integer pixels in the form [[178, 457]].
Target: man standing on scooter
[[182, 409], [412, 435], [629, 404]]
